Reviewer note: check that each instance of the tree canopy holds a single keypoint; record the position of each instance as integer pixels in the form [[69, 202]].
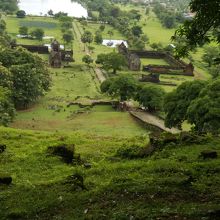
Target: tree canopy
[[203, 28], [150, 97], [113, 60], [177, 102], [122, 86]]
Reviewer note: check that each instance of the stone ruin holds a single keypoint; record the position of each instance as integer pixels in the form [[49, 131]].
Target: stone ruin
[[55, 58], [134, 62], [152, 77], [174, 67]]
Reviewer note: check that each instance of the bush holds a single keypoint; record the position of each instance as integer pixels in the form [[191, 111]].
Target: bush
[[131, 152], [21, 14], [67, 152]]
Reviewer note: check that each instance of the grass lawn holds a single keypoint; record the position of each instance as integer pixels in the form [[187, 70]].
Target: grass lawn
[[116, 186], [76, 84], [50, 26], [147, 61]]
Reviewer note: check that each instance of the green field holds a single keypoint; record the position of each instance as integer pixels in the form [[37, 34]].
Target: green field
[[172, 182], [50, 26]]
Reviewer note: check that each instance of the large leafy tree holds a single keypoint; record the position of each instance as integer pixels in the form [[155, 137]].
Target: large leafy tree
[[5, 77], [122, 86], [150, 97], [205, 26], [204, 112], [87, 37], [177, 102], [25, 73], [113, 60], [7, 110]]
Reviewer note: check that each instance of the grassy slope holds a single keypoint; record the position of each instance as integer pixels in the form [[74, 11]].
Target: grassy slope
[[117, 188]]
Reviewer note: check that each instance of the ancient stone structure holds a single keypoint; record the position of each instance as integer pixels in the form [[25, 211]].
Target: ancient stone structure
[[173, 67], [55, 58], [134, 62], [152, 77]]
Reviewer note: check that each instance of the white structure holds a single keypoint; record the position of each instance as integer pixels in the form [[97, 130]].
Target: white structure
[[113, 43]]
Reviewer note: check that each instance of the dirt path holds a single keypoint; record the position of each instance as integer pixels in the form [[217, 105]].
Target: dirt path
[[100, 75], [153, 120], [78, 33]]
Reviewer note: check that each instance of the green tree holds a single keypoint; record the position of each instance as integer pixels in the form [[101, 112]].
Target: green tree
[[2, 26], [87, 37], [113, 60], [122, 86], [23, 30], [110, 33], [137, 30], [98, 38], [197, 31], [38, 34], [21, 14], [211, 53], [28, 74], [102, 27], [7, 111], [87, 59], [204, 112], [150, 97], [6, 77], [177, 102], [68, 37], [66, 25], [27, 87], [169, 21], [50, 12]]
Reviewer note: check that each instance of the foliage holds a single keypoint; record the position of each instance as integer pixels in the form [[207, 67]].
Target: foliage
[[177, 102], [6, 77], [150, 97], [87, 37], [113, 60], [8, 6], [87, 59], [2, 26], [66, 25], [23, 30], [122, 86], [38, 33], [137, 30], [21, 14], [211, 53], [197, 32], [27, 75], [204, 112], [68, 37], [102, 27], [7, 111], [98, 38]]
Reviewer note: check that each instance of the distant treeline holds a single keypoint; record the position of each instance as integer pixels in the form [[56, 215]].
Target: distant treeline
[[8, 6]]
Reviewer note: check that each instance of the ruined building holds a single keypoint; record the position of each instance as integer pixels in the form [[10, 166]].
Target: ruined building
[[55, 58], [134, 62]]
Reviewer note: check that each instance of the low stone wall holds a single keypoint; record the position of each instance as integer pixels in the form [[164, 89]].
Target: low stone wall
[[35, 48], [149, 54]]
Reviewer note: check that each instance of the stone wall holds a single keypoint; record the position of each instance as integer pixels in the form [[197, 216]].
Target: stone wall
[[35, 48]]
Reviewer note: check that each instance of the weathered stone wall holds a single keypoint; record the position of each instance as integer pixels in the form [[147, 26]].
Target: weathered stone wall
[[35, 48]]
